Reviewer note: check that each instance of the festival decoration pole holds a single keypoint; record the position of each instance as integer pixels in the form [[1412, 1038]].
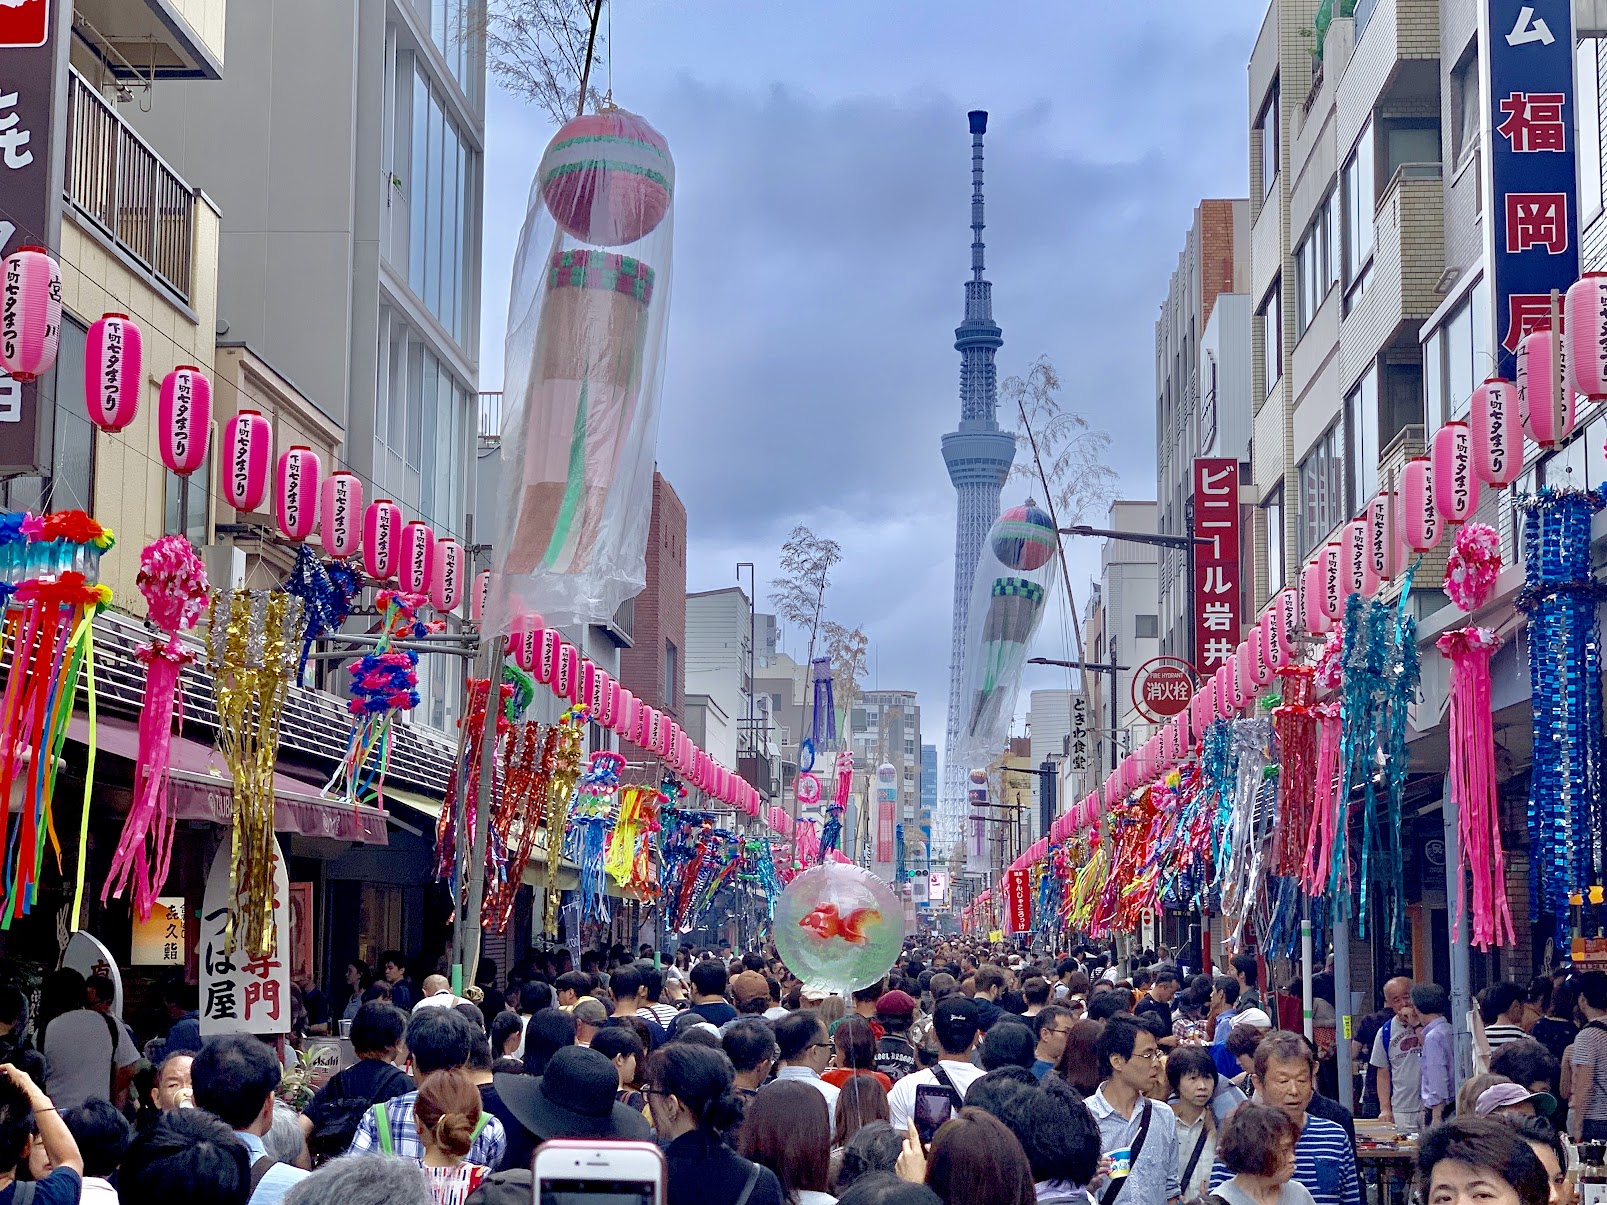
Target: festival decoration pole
[[466, 940]]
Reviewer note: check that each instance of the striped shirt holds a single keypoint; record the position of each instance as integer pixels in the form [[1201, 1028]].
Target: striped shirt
[[1324, 1163], [1497, 1036]]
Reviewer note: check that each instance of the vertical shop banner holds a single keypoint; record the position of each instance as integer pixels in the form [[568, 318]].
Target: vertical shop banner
[[1531, 191], [33, 98], [1018, 900], [159, 941], [1216, 583], [239, 993]]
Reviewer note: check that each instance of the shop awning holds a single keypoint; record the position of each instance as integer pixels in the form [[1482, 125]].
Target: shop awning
[[202, 788]]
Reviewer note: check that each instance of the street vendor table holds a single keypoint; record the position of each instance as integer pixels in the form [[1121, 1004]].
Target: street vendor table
[[1385, 1165]]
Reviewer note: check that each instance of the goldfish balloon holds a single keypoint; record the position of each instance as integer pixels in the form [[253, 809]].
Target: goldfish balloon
[[839, 928]]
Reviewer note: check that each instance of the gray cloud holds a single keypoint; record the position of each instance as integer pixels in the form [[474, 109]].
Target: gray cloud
[[822, 243]]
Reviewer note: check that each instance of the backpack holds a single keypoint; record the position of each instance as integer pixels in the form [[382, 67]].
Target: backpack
[[335, 1121]]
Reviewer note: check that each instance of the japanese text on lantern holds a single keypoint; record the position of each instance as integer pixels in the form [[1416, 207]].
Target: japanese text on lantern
[[1533, 244], [1216, 563]]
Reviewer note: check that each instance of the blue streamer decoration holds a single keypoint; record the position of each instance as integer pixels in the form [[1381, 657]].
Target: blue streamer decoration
[[326, 593], [1380, 682], [1565, 782], [823, 718]]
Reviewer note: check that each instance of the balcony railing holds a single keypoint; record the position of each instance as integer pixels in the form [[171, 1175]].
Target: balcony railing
[[491, 415], [120, 184]]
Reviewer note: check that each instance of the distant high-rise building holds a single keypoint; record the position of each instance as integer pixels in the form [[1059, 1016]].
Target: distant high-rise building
[[978, 456]]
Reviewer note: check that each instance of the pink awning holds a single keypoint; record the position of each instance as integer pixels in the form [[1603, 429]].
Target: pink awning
[[203, 788]]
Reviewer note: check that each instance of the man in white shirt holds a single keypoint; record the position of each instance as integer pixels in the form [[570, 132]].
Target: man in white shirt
[[955, 1026], [1397, 1054], [803, 1052], [437, 994], [235, 1076]]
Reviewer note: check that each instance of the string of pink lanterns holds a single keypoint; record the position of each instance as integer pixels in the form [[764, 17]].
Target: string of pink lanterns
[[1438, 493]]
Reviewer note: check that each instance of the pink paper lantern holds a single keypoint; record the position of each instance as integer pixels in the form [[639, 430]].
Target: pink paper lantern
[[566, 677], [1285, 623], [1221, 702], [30, 312], [1584, 321], [588, 685], [1456, 487], [1240, 691], [418, 556], [480, 598], [114, 371], [1420, 521], [549, 647], [1548, 416], [524, 642], [1311, 613], [1497, 448], [446, 575], [1353, 556], [248, 444], [295, 493], [1380, 539], [382, 530], [625, 712], [340, 514], [1332, 581], [608, 714], [184, 416]]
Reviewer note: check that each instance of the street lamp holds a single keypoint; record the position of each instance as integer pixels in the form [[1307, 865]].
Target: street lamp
[[1186, 542]]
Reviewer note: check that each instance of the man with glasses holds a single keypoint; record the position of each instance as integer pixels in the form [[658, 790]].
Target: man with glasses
[[1138, 1134], [803, 1053], [1325, 1160], [1054, 1026]]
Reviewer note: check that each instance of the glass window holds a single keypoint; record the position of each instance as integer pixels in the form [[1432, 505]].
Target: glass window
[[72, 461], [1459, 362], [1306, 281], [671, 672], [1456, 358], [1271, 316], [417, 174], [1466, 81], [415, 403], [194, 492], [1360, 202], [1410, 144], [1322, 490], [1146, 627], [432, 411], [442, 195], [1265, 139], [1273, 510], [1587, 126], [1361, 434]]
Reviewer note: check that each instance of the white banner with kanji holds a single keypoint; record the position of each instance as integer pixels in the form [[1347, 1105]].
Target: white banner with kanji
[[239, 993]]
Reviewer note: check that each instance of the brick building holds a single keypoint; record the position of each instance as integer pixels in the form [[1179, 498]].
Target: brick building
[[654, 667]]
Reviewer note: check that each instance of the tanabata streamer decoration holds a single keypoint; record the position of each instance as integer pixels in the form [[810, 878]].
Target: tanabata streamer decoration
[[1295, 723], [591, 818], [326, 593], [1565, 781], [1007, 604], [583, 366], [629, 861], [50, 632], [1380, 684], [173, 580], [557, 825], [252, 652], [384, 683], [823, 705], [839, 928]]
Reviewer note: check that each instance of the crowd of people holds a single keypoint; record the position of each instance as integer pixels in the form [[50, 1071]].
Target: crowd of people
[[1062, 1082]]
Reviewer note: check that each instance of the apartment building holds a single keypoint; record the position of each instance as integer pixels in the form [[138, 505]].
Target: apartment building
[[886, 732], [1202, 387]]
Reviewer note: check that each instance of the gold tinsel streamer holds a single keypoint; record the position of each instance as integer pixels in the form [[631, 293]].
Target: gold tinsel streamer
[[560, 793], [252, 650]]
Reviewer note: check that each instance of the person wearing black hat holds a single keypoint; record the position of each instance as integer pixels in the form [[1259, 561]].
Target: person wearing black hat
[[574, 1099], [693, 1106]]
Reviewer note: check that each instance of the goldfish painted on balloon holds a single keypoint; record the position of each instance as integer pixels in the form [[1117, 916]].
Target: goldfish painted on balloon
[[826, 924]]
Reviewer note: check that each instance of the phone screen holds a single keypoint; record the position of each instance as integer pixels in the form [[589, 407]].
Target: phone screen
[[596, 1192], [933, 1106]]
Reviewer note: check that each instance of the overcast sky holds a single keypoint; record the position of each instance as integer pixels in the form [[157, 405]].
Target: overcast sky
[[821, 212]]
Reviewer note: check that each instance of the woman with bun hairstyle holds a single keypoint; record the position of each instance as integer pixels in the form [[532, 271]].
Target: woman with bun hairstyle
[[689, 1091], [448, 1116]]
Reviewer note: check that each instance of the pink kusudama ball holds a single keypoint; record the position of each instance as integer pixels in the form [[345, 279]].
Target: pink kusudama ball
[[607, 178]]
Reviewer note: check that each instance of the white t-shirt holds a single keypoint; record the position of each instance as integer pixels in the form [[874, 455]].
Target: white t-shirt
[[79, 1050], [440, 1000], [901, 1100]]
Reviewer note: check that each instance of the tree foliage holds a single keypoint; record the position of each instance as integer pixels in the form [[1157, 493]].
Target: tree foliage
[[1071, 451], [536, 50], [848, 648], [799, 594]]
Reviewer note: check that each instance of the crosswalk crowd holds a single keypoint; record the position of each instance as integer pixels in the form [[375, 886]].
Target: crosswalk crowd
[[1059, 1080]]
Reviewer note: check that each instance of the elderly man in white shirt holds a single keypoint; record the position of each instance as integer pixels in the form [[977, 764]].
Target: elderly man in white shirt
[[438, 994]]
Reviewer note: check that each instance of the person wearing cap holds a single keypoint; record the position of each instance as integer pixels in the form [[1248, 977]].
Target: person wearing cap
[[590, 1015], [1514, 1100], [955, 1026], [895, 1053], [576, 1098], [750, 992]]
